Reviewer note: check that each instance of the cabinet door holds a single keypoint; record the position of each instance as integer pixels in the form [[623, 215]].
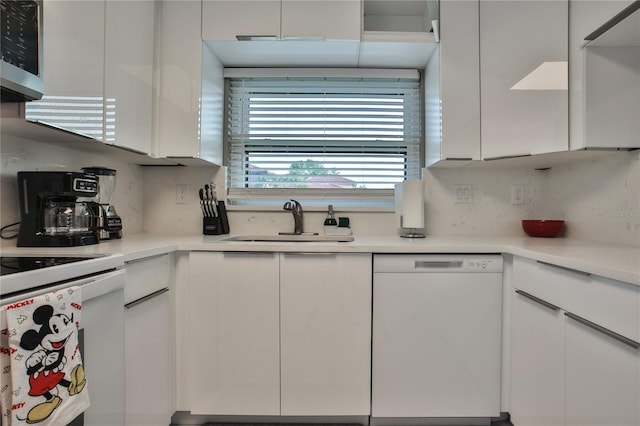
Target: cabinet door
[[602, 378], [453, 86], [523, 75], [224, 20], [177, 119], [150, 362], [233, 333], [322, 19], [537, 363], [584, 18], [150, 342], [325, 333], [73, 68], [129, 73]]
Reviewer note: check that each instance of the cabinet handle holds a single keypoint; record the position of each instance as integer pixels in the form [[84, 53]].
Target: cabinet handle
[[256, 37], [458, 159], [247, 253], [311, 253], [537, 300], [142, 259], [577, 271], [145, 298], [612, 334], [504, 157], [613, 21]]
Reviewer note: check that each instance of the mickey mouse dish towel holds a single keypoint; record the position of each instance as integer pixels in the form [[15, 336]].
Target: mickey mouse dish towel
[[46, 378]]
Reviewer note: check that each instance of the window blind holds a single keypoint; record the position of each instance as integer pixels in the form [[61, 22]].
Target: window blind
[[328, 137]]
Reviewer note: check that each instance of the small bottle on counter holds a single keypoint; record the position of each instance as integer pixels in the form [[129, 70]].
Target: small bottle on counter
[[330, 222]]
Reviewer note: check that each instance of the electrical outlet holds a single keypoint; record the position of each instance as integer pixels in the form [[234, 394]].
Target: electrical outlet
[[517, 194], [182, 194], [462, 194]]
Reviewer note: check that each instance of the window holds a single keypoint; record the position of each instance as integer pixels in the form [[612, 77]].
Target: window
[[344, 137]]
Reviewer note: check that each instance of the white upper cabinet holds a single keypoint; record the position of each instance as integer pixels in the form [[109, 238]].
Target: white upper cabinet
[[398, 33], [604, 77], [226, 20], [321, 19], [184, 91], [452, 87], [523, 74], [244, 33], [73, 68], [281, 19], [128, 82]]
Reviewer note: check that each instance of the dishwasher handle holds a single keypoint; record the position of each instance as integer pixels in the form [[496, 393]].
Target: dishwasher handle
[[439, 264]]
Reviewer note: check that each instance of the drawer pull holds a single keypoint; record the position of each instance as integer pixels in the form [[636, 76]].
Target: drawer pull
[[248, 253], [142, 259], [577, 271], [537, 300], [145, 298], [612, 334], [505, 157]]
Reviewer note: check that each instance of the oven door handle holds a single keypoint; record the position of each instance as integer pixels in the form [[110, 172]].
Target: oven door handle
[[100, 285]]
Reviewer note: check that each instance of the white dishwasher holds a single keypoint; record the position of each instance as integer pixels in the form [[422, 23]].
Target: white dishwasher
[[436, 337]]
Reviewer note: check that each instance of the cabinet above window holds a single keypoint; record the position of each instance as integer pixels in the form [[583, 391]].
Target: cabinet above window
[[282, 33]]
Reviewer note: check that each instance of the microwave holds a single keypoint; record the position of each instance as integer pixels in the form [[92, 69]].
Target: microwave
[[21, 56]]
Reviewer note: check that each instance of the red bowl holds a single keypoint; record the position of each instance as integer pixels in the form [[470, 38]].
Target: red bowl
[[543, 228]]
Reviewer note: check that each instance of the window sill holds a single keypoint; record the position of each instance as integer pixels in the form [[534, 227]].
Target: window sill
[[312, 207]]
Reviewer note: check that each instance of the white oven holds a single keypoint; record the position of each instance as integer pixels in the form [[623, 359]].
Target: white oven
[[101, 341]]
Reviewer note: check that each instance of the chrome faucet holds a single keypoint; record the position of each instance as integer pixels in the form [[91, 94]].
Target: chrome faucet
[[296, 209]]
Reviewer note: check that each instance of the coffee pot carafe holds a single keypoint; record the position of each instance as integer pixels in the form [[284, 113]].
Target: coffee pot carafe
[[109, 222], [51, 212]]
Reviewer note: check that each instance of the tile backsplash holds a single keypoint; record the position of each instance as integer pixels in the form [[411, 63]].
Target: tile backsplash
[[599, 198], [19, 154]]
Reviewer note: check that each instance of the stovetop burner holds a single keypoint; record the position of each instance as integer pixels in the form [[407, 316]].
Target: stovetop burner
[[12, 265]]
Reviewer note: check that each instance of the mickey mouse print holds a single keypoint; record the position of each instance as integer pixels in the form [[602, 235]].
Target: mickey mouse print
[[48, 382]]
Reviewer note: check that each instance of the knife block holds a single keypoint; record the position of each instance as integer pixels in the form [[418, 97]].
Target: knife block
[[211, 226], [216, 225]]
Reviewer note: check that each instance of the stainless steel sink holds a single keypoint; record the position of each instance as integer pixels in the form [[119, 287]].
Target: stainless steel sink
[[292, 238]]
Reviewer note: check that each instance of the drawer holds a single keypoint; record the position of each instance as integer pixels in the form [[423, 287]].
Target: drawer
[[611, 304], [144, 276], [542, 281]]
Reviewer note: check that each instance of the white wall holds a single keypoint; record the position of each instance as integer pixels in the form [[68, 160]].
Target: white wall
[[599, 199], [26, 155]]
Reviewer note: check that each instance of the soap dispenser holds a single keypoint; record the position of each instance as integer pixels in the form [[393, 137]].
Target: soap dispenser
[[330, 222]]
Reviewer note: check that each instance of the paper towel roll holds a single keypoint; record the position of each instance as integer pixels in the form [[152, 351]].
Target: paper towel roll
[[410, 208]]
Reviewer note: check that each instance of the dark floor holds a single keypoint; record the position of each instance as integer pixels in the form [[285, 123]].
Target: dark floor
[[497, 422]]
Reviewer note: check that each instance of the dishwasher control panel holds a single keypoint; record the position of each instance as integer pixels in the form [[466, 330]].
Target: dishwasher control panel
[[445, 263]]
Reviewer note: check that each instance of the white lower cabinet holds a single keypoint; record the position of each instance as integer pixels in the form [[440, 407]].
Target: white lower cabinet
[[234, 360], [325, 334], [537, 362], [575, 361], [279, 334], [149, 335], [602, 378]]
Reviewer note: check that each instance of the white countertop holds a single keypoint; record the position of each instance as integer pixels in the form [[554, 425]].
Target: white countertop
[[614, 261]]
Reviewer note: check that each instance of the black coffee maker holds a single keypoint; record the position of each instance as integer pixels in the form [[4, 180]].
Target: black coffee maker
[[51, 214]]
